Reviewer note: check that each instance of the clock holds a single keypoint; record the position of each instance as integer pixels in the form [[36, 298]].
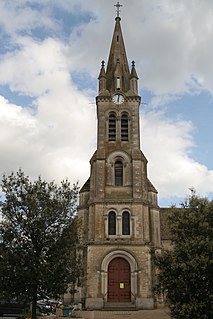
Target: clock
[[118, 99]]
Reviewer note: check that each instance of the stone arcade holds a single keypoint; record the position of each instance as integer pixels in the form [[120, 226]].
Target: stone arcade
[[118, 206]]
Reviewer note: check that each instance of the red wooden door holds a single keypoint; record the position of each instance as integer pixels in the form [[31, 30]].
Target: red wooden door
[[119, 281]]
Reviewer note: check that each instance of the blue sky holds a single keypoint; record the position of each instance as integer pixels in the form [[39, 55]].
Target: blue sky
[[50, 58]]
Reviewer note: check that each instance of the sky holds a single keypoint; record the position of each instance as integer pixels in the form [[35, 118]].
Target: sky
[[50, 58]]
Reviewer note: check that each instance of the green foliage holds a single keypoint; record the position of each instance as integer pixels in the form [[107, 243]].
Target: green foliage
[[185, 272], [39, 232]]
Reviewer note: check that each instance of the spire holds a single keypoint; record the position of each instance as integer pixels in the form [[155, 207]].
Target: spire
[[102, 71], [117, 67], [102, 79], [134, 80], [133, 72]]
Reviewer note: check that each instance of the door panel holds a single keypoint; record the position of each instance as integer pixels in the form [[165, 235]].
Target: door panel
[[119, 284]]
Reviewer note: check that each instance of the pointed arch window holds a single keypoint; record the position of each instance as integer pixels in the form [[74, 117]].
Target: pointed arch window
[[125, 223], [118, 173], [112, 223], [124, 127], [112, 127]]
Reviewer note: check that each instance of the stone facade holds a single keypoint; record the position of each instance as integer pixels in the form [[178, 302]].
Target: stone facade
[[118, 206]]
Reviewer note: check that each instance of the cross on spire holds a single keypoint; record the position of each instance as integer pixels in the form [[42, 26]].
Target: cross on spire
[[118, 5]]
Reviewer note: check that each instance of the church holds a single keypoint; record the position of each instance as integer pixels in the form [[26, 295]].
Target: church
[[118, 207]]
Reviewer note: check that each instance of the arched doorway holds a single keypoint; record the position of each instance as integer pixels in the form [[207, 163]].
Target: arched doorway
[[119, 280]]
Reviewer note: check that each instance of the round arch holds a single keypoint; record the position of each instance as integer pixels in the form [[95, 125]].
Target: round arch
[[125, 159], [119, 154], [104, 271]]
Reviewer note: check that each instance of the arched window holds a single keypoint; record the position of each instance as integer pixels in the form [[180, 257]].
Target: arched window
[[118, 173], [112, 223], [124, 127], [112, 127], [125, 223]]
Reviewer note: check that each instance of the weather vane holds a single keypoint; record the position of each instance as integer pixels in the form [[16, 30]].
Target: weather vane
[[118, 5]]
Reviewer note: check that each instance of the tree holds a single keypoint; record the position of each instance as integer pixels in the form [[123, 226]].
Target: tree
[[39, 238], [185, 271]]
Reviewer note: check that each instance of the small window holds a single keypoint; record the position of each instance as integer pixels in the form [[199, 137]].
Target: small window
[[125, 223], [118, 83], [118, 173], [112, 223], [112, 127], [124, 127]]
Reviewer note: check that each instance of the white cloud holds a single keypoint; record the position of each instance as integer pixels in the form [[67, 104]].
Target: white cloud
[[18, 15], [35, 68], [57, 142], [167, 145]]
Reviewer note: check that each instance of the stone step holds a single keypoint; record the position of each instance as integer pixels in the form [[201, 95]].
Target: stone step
[[119, 306]]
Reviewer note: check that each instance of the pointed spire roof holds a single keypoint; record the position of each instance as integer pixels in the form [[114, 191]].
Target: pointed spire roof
[[117, 62], [102, 71], [133, 71]]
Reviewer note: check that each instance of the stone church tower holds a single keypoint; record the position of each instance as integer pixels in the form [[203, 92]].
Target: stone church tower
[[118, 205]]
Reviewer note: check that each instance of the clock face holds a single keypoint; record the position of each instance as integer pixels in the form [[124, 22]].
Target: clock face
[[118, 99]]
